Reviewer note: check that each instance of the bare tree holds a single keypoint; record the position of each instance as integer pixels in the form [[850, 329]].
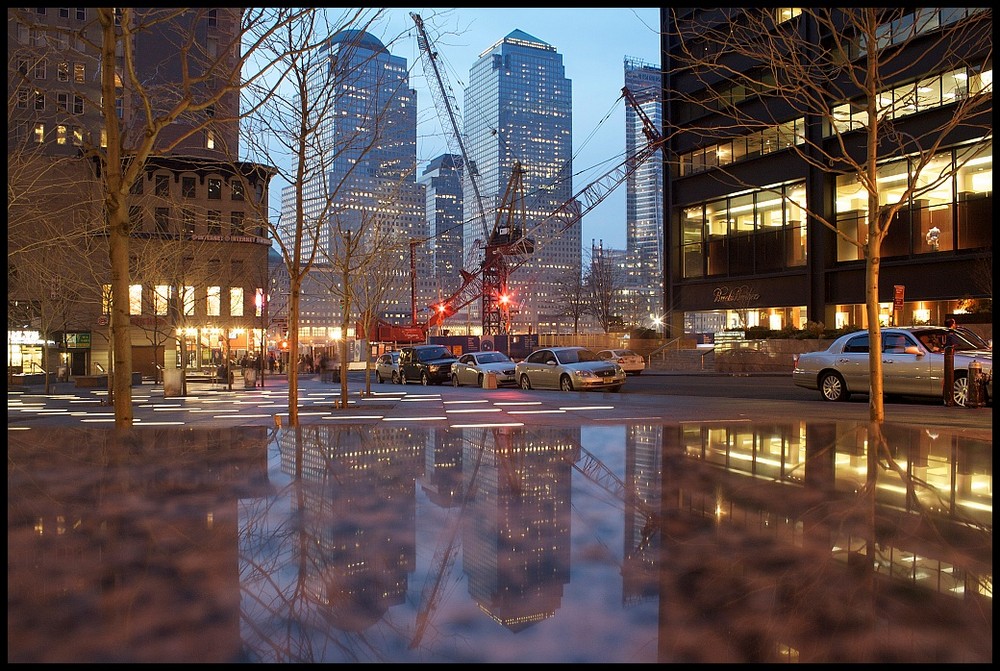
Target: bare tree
[[604, 282], [852, 70], [293, 130]]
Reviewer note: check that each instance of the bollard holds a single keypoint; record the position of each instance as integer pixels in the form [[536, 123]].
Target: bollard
[[949, 375], [973, 395]]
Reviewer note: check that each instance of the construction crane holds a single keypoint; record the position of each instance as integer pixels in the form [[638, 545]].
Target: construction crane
[[444, 101], [510, 242]]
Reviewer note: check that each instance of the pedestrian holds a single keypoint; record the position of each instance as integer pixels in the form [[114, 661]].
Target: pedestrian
[[951, 339]]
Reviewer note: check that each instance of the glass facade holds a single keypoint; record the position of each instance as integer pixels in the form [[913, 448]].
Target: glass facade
[[518, 108], [643, 202]]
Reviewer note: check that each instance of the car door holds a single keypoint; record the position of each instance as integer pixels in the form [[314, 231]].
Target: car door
[[536, 368], [906, 373], [852, 363], [463, 370]]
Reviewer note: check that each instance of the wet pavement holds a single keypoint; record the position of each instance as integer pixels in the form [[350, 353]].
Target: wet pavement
[[466, 525]]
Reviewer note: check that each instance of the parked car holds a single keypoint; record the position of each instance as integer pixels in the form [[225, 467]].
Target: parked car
[[428, 364], [633, 363], [912, 364], [387, 368], [472, 367], [568, 369]]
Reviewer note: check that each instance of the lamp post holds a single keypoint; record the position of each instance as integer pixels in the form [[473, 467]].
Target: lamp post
[[657, 324]]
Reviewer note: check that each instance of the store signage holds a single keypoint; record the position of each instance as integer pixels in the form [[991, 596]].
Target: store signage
[[742, 295], [897, 296], [24, 338], [78, 340]]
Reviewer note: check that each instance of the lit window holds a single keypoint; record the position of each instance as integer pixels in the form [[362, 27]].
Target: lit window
[[213, 306], [161, 296], [188, 297], [61, 134], [135, 299], [39, 132], [79, 73], [210, 139], [236, 301]]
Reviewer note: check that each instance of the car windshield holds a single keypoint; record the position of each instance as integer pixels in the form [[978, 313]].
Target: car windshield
[[577, 356], [436, 353], [936, 339], [493, 357]]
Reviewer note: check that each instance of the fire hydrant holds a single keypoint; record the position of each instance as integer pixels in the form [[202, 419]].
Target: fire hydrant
[[974, 395]]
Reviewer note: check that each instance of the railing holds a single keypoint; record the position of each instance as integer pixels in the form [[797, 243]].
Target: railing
[[663, 348]]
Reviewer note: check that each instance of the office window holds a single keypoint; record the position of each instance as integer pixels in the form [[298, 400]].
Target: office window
[[213, 306], [62, 71], [258, 302], [39, 101], [210, 139], [61, 134], [214, 220], [22, 98], [187, 298], [161, 299], [187, 218], [135, 299], [77, 136], [41, 66], [236, 301], [39, 132], [162, 216], [62, 102], [238, 193], [214, 189], [162, 186], [213, 18], [236, 223], [77, 104], [81, 13], [188, 188], [79, 73]]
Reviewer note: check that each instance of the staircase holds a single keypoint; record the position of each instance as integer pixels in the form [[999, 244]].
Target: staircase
[[683, 359]]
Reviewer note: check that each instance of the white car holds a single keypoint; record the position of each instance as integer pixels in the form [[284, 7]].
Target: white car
[[472, 367], [568, 369], [632, 363], [387, 368]]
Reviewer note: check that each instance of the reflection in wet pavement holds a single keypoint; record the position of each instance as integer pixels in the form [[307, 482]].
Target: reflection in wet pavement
[[710, 542]]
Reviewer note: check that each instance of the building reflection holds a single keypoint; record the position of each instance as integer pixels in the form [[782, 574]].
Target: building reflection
[[739, 542]]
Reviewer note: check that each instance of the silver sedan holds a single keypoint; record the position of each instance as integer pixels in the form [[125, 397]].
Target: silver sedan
[[472, 368], [912, 364], [568, 369]]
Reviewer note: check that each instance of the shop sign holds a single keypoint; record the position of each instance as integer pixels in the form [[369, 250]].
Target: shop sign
[[741, 295], [897, 296], [78, 340], [24, 338]]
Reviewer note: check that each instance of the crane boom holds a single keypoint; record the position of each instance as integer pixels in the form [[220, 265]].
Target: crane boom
[[445, 104]]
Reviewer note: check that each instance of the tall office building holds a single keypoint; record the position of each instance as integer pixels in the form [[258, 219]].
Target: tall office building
[[442, 179], [364, 173], [642, 298], [518, 108]]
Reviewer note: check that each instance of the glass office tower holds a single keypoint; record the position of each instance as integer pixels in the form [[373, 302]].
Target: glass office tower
[[518, 108], [643, 296], [366, 159]]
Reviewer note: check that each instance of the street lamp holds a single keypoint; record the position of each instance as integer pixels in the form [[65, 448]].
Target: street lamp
[[657, 323]]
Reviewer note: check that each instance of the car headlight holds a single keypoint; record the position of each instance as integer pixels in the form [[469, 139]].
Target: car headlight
[[584, 373]]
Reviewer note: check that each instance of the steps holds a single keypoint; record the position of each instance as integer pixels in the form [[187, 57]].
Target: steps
[[684, 359]]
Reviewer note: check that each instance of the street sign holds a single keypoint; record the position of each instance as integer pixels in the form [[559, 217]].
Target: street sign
[[897, 299], [103, 320]]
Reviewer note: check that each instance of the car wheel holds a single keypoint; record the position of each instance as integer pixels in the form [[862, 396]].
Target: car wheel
[[395, 377], [454, 381], [480, 381], [960, 390], [424, 380], [565, 383], [378, 377], [832, 387], [524, 382]]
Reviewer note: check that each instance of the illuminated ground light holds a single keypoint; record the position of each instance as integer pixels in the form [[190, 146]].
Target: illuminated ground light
[[17, 428], [484, 425], [139, 421], [466, 402], [420, 398], [536, 412], [412, 419], [505, 403], [588, 407], [352, 417], [471, 410]]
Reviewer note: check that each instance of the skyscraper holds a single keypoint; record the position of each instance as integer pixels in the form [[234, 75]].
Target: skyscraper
[[442, 179], [643, 291], [518, 109], [364, 172]]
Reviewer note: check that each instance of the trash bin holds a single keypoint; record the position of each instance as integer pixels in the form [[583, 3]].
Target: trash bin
[[249, 378]]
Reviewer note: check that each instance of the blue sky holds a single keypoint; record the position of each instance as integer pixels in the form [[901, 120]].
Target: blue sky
[[594, 44]]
